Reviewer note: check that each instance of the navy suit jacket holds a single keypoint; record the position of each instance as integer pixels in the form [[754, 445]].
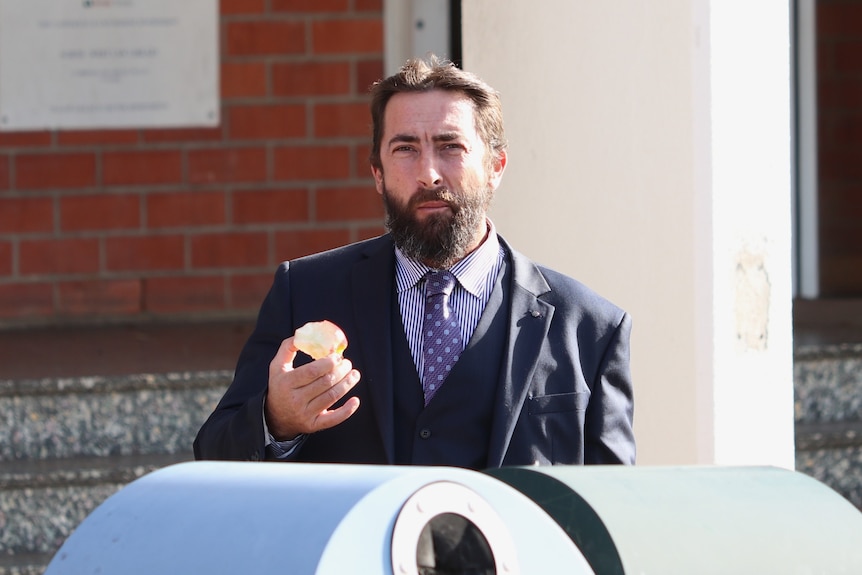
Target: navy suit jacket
[[564, 394]]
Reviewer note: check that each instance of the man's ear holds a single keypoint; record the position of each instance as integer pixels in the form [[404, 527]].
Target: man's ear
[[378, 178], [498, 166]]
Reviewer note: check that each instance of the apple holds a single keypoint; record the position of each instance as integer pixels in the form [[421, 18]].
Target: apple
[[320, 338]]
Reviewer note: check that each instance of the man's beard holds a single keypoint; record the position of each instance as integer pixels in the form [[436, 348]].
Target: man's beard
[[442, 239]]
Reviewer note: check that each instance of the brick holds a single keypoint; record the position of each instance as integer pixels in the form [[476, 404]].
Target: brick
[[58, 256], [26, 215], [40, 171], [185, 209], [298, 243], [847, 132], [310, 78], [97, 137], [260, 38], [839, 165], [243, 79], [848, 55], [242, 6], [145, 253], [234, 250], [361, 161], [248, 290], [839, 93], [342, 120], [100, 212], [367, 72], [142, 167], [4, 172], [369, 6], [99, 297], [349, 203], [368, 232], [24, 139], [269, 206], [311, 162], [825, 67], [267, 122], [26, 300], [227, 165], [5, 258], [353, 36], [315, 6], [186, 294], [183, 135], [838, 19]]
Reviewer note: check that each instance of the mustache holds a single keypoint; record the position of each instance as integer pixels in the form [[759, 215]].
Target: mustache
[[439, 194]]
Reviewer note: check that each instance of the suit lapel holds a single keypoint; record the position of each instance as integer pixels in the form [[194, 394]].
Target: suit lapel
[[529, 323], [372, 281]]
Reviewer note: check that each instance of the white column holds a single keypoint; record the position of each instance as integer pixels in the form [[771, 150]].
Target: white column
[[650, 158], [415, 28]]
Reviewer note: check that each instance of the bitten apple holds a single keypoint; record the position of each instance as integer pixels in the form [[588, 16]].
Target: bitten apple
[[320, 338]]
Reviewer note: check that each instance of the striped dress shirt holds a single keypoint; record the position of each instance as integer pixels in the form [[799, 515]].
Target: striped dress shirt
[[476, 275]]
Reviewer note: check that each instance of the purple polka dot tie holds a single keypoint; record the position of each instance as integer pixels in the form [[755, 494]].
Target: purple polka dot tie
[[441, 336]]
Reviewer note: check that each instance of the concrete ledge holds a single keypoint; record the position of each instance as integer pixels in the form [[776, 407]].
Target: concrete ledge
[[833, 435], [108, 416], [41, 503], [83, 471]]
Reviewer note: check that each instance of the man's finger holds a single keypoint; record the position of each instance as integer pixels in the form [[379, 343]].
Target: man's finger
[[283, 360], [330, 389], [333, 417]]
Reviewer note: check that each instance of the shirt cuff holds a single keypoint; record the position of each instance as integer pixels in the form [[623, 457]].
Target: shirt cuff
[[276, 449]]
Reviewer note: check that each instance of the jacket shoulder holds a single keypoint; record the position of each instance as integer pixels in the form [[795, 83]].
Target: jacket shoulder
[[564, 292], [342, 254]]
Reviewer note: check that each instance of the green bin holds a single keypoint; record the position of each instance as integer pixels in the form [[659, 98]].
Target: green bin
[[697, 520]]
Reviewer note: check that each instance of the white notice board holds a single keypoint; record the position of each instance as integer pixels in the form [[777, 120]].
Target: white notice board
[[82, 64]]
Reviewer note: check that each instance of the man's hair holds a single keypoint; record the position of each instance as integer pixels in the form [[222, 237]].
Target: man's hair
[[434, 74]]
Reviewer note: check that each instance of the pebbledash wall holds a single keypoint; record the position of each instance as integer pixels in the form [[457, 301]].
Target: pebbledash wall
[[138, 224]]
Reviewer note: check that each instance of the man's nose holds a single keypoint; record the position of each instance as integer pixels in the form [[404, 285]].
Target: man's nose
[[429, 176]]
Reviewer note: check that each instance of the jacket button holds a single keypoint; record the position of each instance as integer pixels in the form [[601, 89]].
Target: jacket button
[[425, 433]]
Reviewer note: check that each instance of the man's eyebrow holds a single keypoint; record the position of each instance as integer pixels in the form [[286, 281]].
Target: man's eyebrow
[[411, 139], [447, 137], [403, 138]]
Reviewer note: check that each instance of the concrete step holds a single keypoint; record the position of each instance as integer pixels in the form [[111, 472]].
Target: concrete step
[[43, 501], [66, 444], [104, 416], [84, 410], [828, 404], [24, 564], [828, 383]]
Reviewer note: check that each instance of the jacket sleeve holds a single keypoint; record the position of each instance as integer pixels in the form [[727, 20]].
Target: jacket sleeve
[[608, 431], [235, 429]]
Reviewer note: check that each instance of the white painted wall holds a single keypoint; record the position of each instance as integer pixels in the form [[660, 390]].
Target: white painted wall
[[650, 158]]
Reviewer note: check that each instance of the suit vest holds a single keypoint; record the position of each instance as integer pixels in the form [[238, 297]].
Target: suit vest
[[455, 427]]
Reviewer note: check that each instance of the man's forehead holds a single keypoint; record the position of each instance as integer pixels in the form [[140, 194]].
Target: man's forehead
[[447, 111]]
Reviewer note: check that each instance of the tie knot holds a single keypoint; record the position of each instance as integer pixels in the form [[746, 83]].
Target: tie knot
[[439, 282]]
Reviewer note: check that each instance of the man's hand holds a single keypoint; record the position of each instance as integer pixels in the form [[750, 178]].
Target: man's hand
[[299, 399]]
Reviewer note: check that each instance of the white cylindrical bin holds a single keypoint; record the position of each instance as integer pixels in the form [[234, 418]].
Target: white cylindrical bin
[[231, 517]]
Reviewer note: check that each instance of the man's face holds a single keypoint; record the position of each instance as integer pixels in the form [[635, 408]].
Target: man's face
[[436, 180]]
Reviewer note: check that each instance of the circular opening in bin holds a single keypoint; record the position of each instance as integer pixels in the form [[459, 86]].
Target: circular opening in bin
[[447, 528], [452, 544]]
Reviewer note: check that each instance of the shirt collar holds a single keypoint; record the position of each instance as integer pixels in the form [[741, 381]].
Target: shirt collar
[[470, 272]]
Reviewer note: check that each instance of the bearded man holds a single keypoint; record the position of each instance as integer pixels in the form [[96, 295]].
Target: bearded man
[[461, 351]]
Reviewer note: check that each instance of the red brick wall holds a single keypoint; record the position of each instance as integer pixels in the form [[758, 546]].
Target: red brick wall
[[839, 83], [147, 223]]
